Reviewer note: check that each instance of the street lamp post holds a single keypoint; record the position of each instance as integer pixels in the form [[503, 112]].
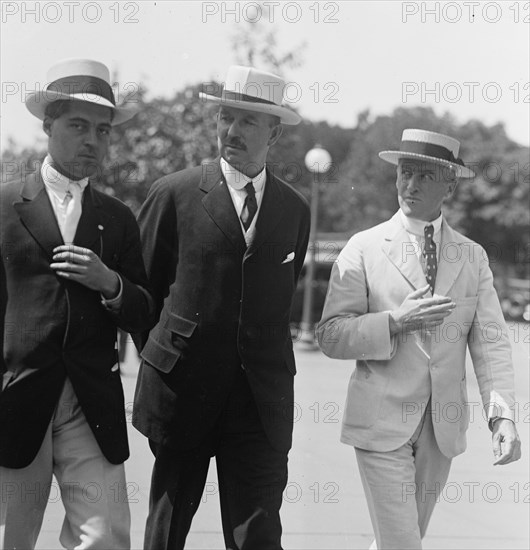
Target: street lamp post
[[317, 161]]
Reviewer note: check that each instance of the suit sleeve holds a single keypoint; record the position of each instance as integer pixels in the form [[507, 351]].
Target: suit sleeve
[[136, 311], [157, 221], [348, 330], [3, 304], [303, 240], [490, 348]]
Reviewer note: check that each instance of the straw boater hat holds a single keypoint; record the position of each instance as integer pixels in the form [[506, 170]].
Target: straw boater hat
[[254, 90], [80, 80], [430, 147]]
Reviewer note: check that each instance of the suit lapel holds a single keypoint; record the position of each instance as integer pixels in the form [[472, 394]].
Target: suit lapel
[[451, 259], [92, 221], [218, 202], [270, 213], [398, 249], [37, 215]]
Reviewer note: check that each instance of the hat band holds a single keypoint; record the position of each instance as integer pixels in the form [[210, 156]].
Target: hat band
[[430, 150], [236, 96], [83, 84]]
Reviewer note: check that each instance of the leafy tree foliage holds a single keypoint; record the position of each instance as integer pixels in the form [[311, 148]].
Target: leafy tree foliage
[[491, 208], [170, 134]]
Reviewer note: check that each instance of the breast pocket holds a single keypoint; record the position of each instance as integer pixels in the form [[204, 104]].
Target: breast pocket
[[172, 342]]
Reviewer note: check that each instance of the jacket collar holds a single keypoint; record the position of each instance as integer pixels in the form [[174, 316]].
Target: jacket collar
[[451, 256], [36, 213], [220, 207]]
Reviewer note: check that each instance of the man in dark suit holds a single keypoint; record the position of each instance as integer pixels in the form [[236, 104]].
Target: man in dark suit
[[224, 244], [72, 272]]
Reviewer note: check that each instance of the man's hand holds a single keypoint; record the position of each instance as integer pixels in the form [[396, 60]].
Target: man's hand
[[506, 442], [420, 313], [84, 266]]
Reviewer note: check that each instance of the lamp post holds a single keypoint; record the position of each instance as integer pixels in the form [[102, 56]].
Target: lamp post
[[318, 162]]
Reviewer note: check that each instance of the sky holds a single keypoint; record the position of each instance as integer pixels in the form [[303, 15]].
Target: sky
[[470, 59]]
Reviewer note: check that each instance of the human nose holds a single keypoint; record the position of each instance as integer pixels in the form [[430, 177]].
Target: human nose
[[233, 128], [412, 183], [91, 136]]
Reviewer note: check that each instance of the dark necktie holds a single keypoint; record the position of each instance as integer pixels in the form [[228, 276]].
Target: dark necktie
[[250, 206], [429, 253]]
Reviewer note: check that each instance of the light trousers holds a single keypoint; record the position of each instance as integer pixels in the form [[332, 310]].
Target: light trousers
[[402, 487], [92, 490]]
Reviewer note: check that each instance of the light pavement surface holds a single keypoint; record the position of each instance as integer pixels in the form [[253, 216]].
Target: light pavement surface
[[482, 507]]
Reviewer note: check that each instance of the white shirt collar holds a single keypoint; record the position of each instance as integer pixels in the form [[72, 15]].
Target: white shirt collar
[[57, 182], [417, 227], [237, 180]]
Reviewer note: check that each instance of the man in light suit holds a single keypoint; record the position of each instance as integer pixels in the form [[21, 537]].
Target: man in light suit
[[405, 299], [72, 272], [224, 244]]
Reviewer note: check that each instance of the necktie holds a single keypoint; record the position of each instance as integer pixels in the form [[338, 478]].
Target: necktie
[[73, 199], [429, 253], [250, 206]]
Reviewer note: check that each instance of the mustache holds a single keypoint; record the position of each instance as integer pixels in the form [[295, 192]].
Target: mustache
[[235, 143]]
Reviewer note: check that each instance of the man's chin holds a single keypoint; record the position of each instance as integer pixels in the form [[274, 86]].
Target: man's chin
[[405, 208], [232, 156], [88, 168]]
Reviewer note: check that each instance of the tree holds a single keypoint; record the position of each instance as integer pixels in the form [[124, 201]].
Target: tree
[[491, 208], [255, 44]]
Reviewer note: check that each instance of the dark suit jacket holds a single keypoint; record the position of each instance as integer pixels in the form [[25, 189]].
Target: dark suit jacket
[[221, 305], [53, 328]]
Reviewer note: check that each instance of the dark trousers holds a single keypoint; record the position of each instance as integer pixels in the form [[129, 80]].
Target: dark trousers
[[252, 477]]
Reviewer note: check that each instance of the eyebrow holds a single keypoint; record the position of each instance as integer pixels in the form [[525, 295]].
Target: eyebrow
[[86, 121]]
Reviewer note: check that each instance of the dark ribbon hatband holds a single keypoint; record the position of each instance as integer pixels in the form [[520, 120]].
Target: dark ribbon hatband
[[430, 150], [235, 96], [83, 84]]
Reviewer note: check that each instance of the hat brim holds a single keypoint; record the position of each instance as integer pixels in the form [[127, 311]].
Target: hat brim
[[286, 115], [393, 157], [37, 102]]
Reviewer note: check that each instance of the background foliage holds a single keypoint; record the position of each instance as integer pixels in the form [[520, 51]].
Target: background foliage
[[172, 133]]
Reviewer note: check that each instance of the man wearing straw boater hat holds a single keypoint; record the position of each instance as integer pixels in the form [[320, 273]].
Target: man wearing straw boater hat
[[224, 244], [72, 272], [405, 299]]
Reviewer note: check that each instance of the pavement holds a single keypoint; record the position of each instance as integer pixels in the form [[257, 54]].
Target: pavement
[[482, 506]]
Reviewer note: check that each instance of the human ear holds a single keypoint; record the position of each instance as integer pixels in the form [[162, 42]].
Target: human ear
[[275, 134], [451, 186], [47, 126]]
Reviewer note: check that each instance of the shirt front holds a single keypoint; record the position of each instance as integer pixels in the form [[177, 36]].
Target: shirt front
[[416, 232], [236, 181], [57, 187]]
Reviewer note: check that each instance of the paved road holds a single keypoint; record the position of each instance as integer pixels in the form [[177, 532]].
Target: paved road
[[482, 507]]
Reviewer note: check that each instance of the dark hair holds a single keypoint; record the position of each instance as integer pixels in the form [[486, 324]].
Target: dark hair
[[57, 109], [274, 121]]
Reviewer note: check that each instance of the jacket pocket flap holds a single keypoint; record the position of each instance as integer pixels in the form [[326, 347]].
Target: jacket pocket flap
[[163, 359], [176, 323]]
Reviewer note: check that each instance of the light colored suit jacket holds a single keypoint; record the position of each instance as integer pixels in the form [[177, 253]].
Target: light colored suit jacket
[[396, 376]]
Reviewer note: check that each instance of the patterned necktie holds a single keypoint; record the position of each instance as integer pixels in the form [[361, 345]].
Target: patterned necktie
[[73, 200], [429, 253], [250, 207]]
